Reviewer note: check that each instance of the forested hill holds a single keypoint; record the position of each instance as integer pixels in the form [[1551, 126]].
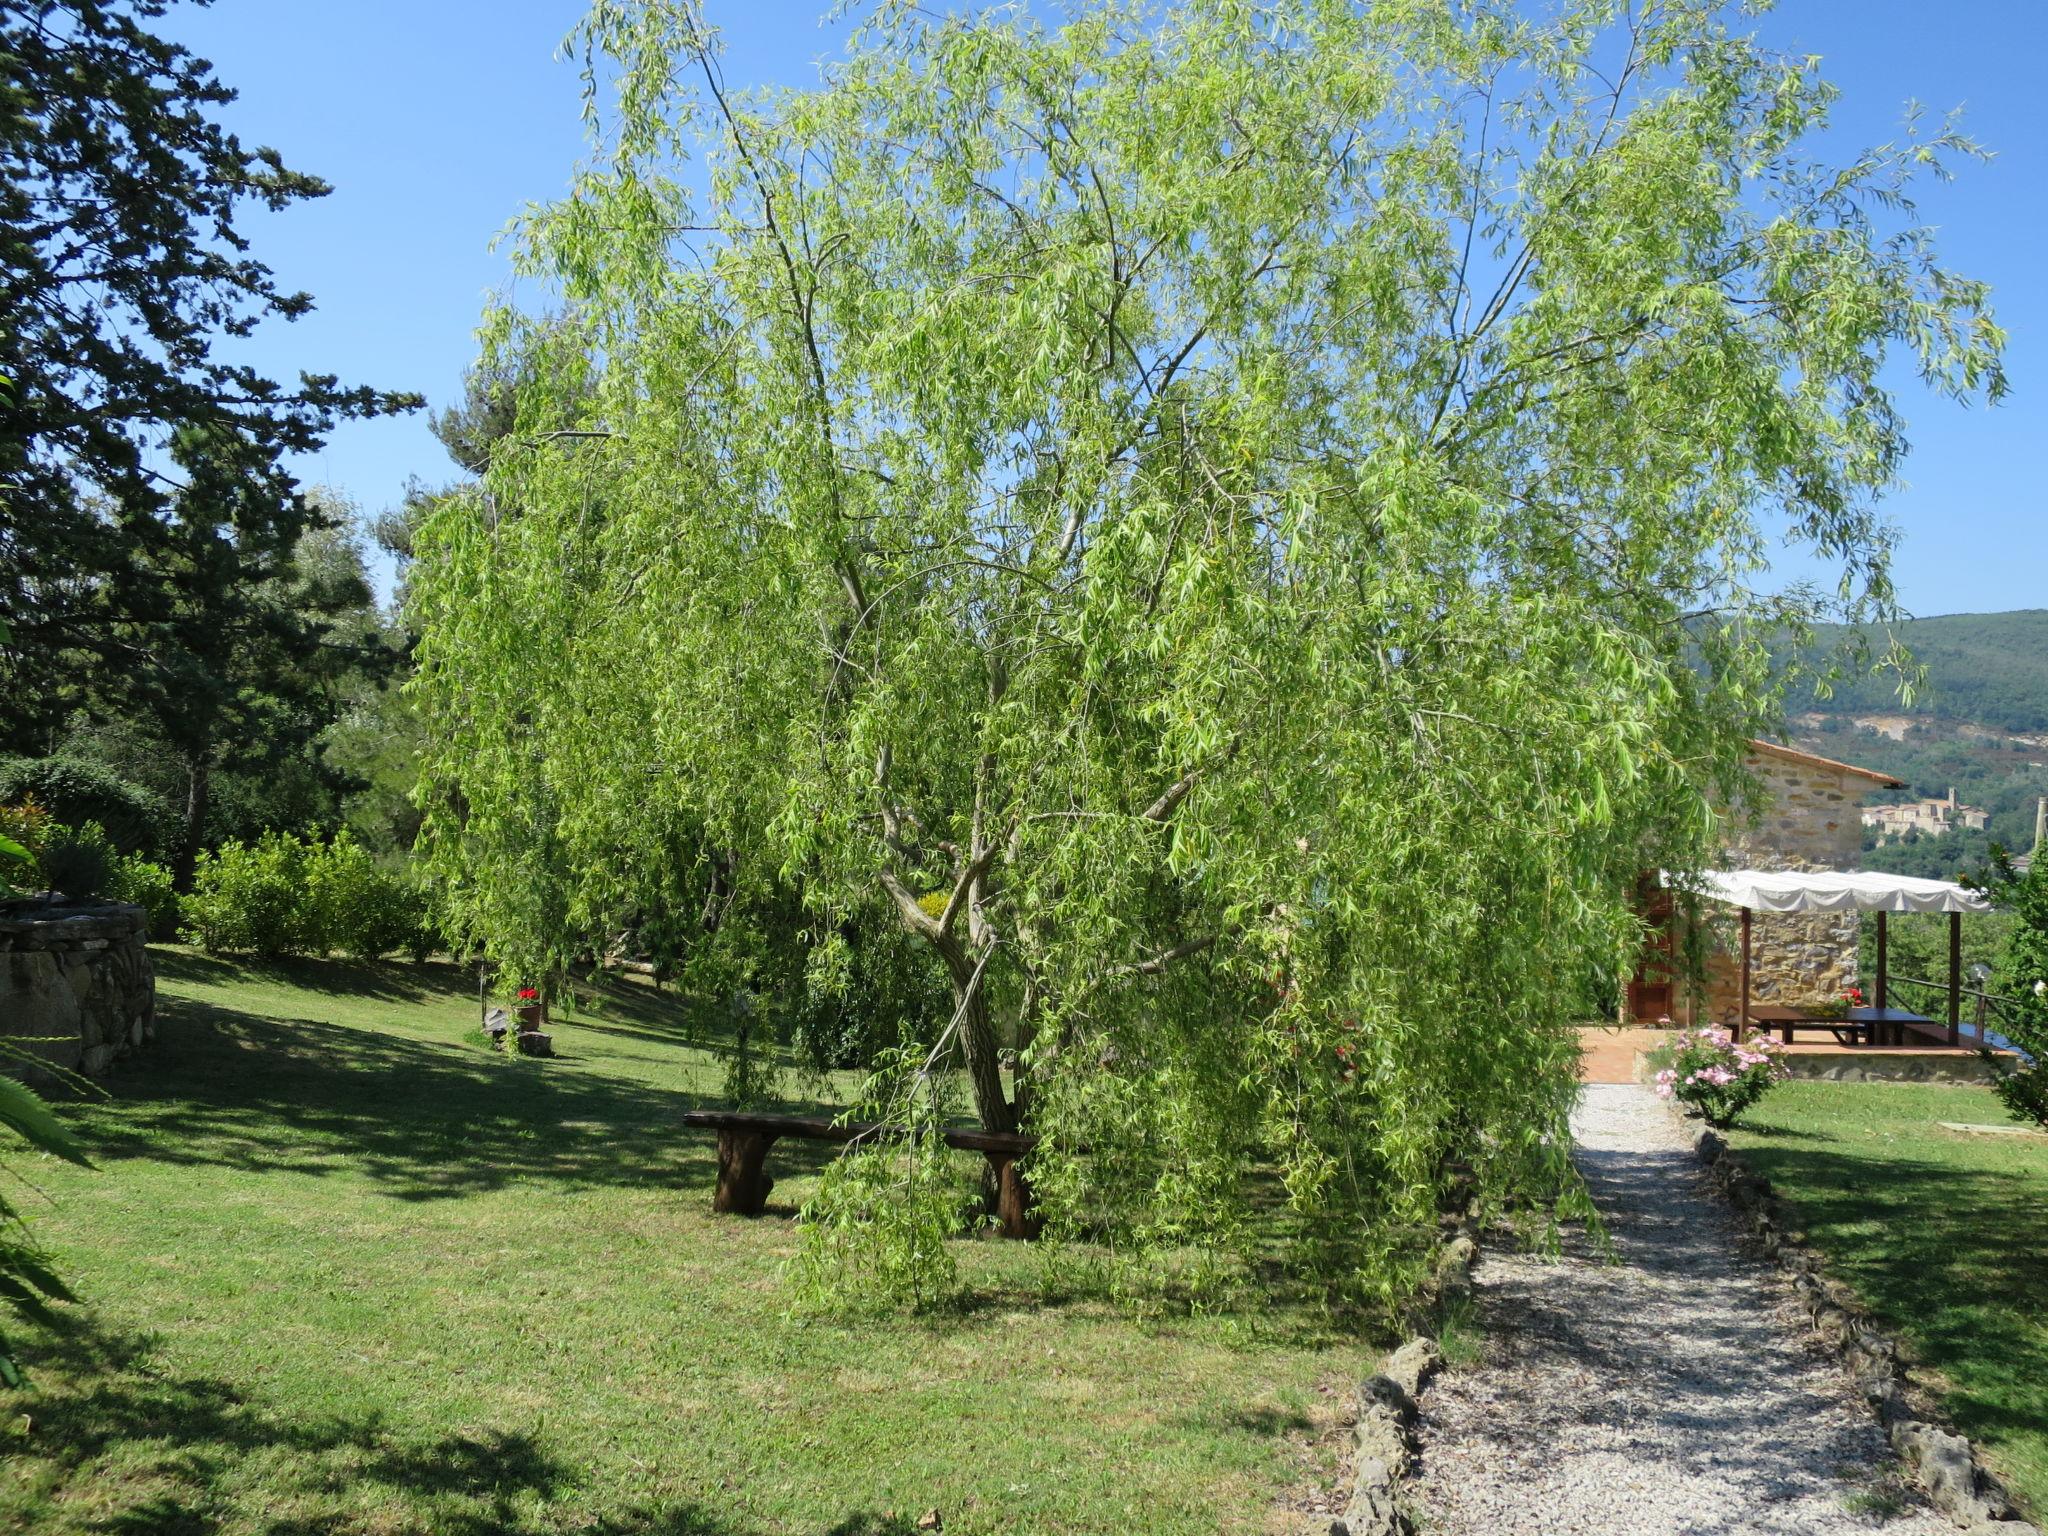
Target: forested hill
[[1987, 669], [1979, 726]]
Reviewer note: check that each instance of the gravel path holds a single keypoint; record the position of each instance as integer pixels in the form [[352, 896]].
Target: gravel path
[[1671, 1395]]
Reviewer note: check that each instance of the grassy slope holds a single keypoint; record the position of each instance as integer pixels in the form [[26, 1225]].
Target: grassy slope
[[348, 1272], [1944, 1235]]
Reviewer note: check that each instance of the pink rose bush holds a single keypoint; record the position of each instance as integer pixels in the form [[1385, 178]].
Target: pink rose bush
[[1712, 1072]]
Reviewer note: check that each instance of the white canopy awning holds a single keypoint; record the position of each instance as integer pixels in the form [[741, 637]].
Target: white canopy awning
[[1828, 890]]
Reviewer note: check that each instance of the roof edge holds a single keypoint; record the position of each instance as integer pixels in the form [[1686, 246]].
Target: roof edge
[[1815, 760]]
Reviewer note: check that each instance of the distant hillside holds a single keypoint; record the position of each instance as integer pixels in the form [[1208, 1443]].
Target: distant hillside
[[1987, 669], [1979, 726]]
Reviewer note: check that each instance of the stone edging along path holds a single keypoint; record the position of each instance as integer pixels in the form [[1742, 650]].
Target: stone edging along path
[[1945, 1464], [1384, 1433]]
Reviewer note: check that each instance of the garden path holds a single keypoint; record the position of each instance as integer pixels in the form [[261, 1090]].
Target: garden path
[[1672, 1394]]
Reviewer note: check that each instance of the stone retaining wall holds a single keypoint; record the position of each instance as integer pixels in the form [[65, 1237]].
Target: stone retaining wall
[[76, 985]]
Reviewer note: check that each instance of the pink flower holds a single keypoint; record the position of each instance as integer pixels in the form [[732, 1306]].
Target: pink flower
[[1663, 1090]]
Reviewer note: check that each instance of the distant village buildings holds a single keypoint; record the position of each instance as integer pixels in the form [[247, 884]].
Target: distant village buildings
[[1930, 818]]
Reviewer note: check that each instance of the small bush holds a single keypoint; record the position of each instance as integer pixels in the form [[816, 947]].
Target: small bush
[[23, 826], [75, 791], [25, 823], [357, 908], [77, 861], [286, 895], [250, 897], [148, 886], [1718, 1076]]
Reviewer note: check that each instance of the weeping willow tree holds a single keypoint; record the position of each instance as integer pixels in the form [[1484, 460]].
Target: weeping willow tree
[[1244, 524]]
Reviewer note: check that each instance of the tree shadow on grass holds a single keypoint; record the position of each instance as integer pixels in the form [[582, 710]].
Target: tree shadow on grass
[[426, 1120], [609, 1003], [118, 1444], [379, 980]]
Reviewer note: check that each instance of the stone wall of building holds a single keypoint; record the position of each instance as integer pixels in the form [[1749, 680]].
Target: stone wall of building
[[1808, 816], [76, 985]]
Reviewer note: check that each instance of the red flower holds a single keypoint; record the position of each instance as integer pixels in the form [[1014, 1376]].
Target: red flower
[[528, 994]]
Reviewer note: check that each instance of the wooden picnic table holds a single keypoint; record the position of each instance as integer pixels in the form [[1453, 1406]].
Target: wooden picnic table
[[1846, 1028], [1866, 1026], [1888, 1026], [744, 1138]]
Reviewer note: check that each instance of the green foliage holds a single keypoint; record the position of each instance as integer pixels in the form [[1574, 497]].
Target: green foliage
[[1205, 512], [1988, 669], [250, 897], [874, 1237], [287, 895], [78, 862], [27, 1282], [353, 906], [15, 864], [23, 825], [865, 988], [2021, 977], [149, 886], [76, 790], [121, 194]]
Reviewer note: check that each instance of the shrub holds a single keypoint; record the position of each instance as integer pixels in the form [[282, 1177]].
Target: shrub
[[77, 861], [286, 895], [250, 897], [75, 791], [23, 826], [25, 823], [2023, 981], [1716, 1074], [357, 908], [149, 886]]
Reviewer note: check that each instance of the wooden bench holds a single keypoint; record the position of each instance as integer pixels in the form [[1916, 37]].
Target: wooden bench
[[744, 1139]]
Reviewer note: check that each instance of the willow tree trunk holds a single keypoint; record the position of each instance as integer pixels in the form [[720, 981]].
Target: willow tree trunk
[[978, 1045]]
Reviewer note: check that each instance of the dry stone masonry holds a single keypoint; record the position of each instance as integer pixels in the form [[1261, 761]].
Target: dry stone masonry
[[76, 986], [1810, 817]]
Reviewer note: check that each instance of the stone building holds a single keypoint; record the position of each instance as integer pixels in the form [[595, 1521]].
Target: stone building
[[1930, 818], [1807, 815]]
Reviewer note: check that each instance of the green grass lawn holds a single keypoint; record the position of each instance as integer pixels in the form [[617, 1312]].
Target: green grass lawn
[[1944, 1235], [344, 1270]]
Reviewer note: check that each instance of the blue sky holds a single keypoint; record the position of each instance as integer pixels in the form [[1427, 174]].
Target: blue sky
[[437, 120]]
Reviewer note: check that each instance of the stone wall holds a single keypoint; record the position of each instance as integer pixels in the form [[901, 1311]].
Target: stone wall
[[76, 986], [1807, 815]]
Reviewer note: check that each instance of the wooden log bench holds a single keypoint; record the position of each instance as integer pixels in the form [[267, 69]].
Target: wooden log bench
[[744, 1139]]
